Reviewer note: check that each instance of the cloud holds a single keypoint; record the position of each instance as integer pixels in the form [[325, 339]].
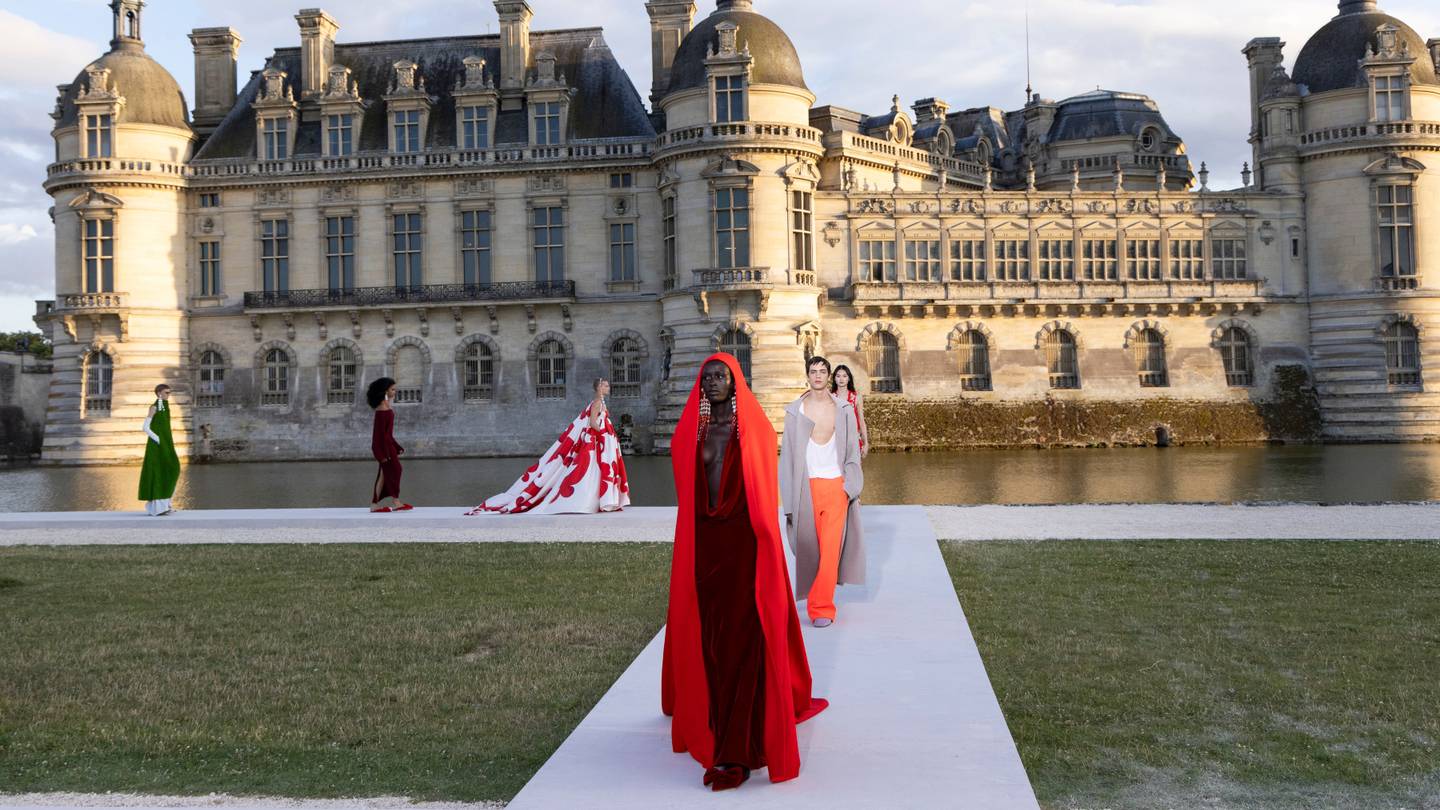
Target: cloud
[[13, 234], [34, 52]]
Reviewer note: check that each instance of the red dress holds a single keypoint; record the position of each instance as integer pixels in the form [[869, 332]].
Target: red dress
[[700, 595], [386, 451], [851, 398]]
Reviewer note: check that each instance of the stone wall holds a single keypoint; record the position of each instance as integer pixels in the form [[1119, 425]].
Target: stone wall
[[22, 407], [1288, 412]]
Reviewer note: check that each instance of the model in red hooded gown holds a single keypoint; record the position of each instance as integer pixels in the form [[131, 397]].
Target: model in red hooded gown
[[735, 677]]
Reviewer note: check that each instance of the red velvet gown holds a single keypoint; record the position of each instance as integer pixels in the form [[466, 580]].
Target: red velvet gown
[[732, 641], [386, 451]]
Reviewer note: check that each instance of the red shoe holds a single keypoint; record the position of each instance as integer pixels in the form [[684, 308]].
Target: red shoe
[[380, 510], [404, 507]]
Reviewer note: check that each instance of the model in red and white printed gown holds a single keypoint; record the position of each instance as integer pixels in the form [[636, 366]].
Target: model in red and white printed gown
[[582, 472]]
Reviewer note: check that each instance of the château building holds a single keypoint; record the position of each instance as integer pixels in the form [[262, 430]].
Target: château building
[[496, 220]]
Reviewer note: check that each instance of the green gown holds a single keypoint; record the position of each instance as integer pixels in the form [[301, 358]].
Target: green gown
[[162, 464]]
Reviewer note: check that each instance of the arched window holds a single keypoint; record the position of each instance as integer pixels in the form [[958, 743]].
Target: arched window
[[1061, 360], [340, 388], [479, 373], [1149, 348], [409, 375], [99, 380], [275, 389], [1234, 348], [1402, 355], [734, 341], [625, 368], [974, 361], [210, 386], [550, 370], [882, 360]]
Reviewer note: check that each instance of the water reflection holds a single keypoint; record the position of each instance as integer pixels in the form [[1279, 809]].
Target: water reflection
[[1328, 474]]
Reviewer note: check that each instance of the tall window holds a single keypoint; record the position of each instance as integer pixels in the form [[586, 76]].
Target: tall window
[[729, 99], [1098, 262], [625, 368], [275, 254], [1012, 260], [479, 373], [1187, 259], [734, 341], [922, 260], [210, 385], [340, 253], [1142, 259], [1397, 234], [1061, 360], [1402, 355], [732, 227], [277, 138], [406, 125], [550, 371], [672, 246], [475, 128], [802, 229], [1149, 348], [1227, 258], [475, 257], [409, 375], [340, 130], [974, 361], [210, 268], [408, 251], [877, 260], [547, 123], [882, 360], [1057, 259], [1389, 98], [622, 251], [967, 260], [98, 135], [548, 227], [1235, 355], [99, 255], [275, 388], [99, 379], [340, 389]]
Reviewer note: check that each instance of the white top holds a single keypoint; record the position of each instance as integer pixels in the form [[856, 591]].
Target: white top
[[820, 461]]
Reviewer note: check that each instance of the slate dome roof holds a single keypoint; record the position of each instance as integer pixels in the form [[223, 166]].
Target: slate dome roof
[[1331, 59], [152, 96], [776, 60]]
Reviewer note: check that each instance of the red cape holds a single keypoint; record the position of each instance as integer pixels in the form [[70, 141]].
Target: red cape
[[683, 690]]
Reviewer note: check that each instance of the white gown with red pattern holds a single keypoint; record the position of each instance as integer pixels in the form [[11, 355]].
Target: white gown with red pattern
[[582, 472]]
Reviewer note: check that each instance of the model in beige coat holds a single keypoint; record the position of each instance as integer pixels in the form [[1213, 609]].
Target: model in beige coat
[[796, 502]]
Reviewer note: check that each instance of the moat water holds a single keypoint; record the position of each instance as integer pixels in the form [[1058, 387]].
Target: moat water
[[1316, 474]]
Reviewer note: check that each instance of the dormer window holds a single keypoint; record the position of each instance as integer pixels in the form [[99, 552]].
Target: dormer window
[[1390, 96], [277, 139], [340, 135], [406, 131], [729, 99], [475, 127], [1148, 140], [275, 121], [99, 135], [547, 123], [476, 106]]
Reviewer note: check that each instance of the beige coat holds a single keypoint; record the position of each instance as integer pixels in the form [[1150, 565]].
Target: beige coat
[[795, 495]]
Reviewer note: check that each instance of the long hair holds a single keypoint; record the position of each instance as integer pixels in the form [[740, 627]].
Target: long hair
[[849, 378], [375, 394]]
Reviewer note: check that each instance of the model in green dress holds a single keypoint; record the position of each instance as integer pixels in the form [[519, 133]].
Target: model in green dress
[[162, 464]]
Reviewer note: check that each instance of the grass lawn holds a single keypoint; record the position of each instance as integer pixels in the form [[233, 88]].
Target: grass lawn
[[431, 671], [1262, 674]]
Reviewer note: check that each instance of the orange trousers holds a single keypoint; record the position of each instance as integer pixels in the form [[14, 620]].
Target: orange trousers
[[829, 503]]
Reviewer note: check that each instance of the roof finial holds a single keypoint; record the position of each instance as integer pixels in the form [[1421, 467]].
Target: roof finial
[[733, 5], [1358, 7], [1029, 92]]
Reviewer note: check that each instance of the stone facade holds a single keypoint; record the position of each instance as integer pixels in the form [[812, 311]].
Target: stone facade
[[497, 220]]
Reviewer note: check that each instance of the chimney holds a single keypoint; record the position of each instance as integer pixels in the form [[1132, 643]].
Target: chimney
[[515, 18], [930, 109], [317, 50], [670, 21], [216, 50]]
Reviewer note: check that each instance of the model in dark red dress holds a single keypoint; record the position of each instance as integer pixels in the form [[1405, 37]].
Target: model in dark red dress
[[735, 676], [385, 493]]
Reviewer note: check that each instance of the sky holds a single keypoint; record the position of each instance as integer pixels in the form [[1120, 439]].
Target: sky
[[1183, 53]]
